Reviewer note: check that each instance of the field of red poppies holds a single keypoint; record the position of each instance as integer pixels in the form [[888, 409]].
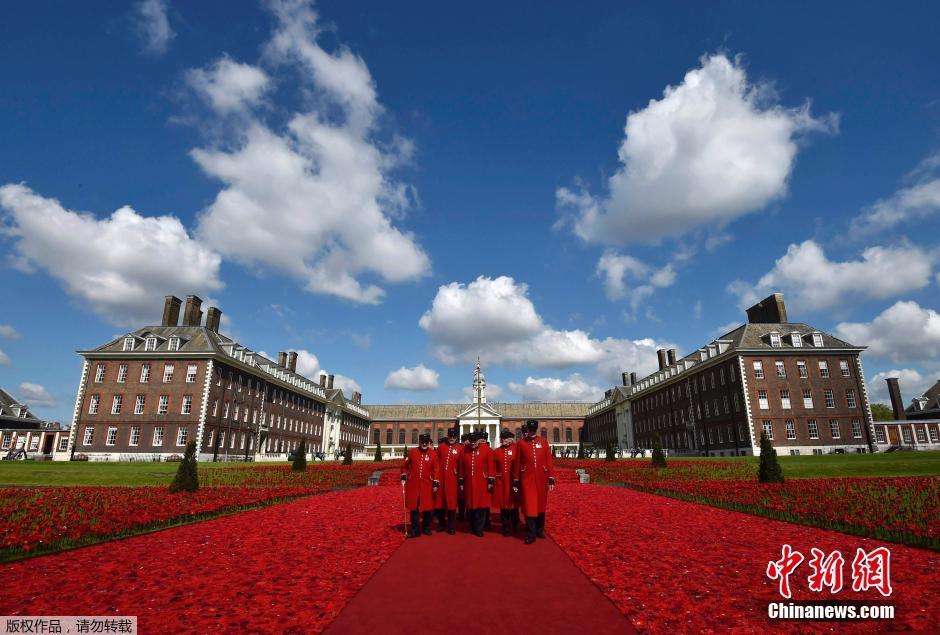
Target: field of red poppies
[[673, 566], [898, 509], [286, 568], [43, 519]]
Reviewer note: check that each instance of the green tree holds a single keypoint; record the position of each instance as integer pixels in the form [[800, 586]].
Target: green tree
[[769, 470], [187, 475], [347, 455], [610, 452], [882, 412], [378, 451], [659, 459], [580, 449], [300, 458]]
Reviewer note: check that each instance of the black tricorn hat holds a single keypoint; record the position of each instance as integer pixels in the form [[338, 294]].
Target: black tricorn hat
[[531, 425], [452, 433], [424, 438], [506, 434], [464, 437]]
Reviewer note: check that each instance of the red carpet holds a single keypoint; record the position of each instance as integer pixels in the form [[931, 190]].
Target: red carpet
[[465, 584]]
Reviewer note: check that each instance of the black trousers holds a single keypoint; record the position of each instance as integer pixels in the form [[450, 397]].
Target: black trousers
[[535, 525], [451, 518], [425, 518], [509, 518], [477, 519]]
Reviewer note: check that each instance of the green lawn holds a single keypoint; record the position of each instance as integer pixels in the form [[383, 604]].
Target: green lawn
[[94, 473]]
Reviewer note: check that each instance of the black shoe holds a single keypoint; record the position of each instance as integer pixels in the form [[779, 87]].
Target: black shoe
[[441, 528], [479, 534], [427, 532], [414, 534], [506, 532], [541, 534], [529, 540], [451, 532]]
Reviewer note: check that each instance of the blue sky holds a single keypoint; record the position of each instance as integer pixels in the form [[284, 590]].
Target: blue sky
[[393, 190]]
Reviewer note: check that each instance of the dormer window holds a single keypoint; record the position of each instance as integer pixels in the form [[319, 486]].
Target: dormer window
[[128, 343], [150, 344], [796, 339], [817, 340], [174, 344], [775, 340]]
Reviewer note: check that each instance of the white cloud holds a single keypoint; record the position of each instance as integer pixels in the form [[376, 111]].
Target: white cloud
[[494, 318], [902, 333], [917, 201], [617, 268], [228, 86], [362, 340], [419, 378], [911, 382], [714, 148], [316, 199], [575, 388], [7, 332], [121, 267], [36, 395], [812, 282], [308, 365], [4, 359], [153, 25]]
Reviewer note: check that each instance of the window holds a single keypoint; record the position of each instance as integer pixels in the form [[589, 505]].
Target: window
[[7, 440], [167, 373], [830, 400], [801, 367], [737, 405], [116, 404], [813, 429], [128, 343], [880, 434], [850, 398], [191, 374], [182, 433], [781, 369], [139, 405], [122, 373], [844, 367], [215, 407], [112, 436], [791, 430], [158, 435], [174, 344], [163, 405], [401, 436], [856, 429], [93, 404], [796, 340], [135, 435], [222, 439], [63, 443], [568, 435], [718, 430], [807, 398], [762, 399], [834, 428], [758, 370], [150, 344], [211, 436], [934, 436], [734, 373], [99, 373], [388, 437], [817, 340], [785, 399], [556, 435], [89, 435], [775, 340], [187, 405], [906, 434], [823, 368], [921, 434], [145, 373]]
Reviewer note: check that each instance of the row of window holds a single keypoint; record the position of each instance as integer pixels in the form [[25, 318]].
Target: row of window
[[796, 339], [696, 412], [828, 396], [117, 402], [151, 342], [906, 434], [801, 369], [88, 437], [168, 370], [674, 393], [7, 441], [812, 429], [389, 435], [241, 438]]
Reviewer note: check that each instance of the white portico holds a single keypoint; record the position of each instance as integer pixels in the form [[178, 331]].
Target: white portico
[[479, 416]]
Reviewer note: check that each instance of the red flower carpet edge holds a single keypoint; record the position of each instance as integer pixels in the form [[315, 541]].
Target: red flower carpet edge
[[286, 568], [673, 566]]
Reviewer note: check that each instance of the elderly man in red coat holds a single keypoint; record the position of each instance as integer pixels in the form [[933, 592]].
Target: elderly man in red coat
[[449, 456], [504, 499], [477, 479], [420, 476], [533, 478]]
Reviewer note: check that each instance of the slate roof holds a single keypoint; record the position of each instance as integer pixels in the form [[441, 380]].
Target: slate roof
[[508, 410], [932, 397], [26, 420]]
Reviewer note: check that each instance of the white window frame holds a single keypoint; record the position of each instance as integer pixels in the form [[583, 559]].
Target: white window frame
[[168, 370], [791, 430], [34, 442], [906, 435], [191, 371], [128, 344], [775, 340], [823, 368], [850, 400], [116, 402], [187, 407], [157, 436], [93, 403], [818, 340], [150, 344], [856, 429], [920, 434], [781, 369], [933, 434], [830, 398], [762, 400], [844, 367], [111, 439], [813, 428], [139, 403], [173, 344], [181, 435], [807, 398], [145, 373], [163, 405], [122, 374], [63, 443], [134, 439], [785, 399], [880, 434], [834, 429], [210, 438], [758, 369], [89, 436], [802, 370], [99, 373], [796, 340]]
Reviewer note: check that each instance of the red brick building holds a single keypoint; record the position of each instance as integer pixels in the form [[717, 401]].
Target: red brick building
[[24, 435], [802, 386], [144, 395]]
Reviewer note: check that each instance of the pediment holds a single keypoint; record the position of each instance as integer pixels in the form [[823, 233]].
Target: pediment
[[482, 410]]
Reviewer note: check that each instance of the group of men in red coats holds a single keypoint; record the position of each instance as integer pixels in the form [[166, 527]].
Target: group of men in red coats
[[468, 475]]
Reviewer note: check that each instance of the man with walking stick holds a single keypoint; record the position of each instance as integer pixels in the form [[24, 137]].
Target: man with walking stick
[[533, 477], [420, 475]]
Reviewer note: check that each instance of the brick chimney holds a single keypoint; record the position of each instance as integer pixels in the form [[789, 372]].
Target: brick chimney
[[329, 382], [292, 361], [671, 356], [661, 354], [897, 404], [625, 377], [213, 319], [192, 314], [171, 311], [282, 359], [357, 398], [633, 379], [770, 310], [322, 381]]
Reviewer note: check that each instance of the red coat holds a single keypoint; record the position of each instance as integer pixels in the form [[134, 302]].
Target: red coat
[[422, 470], [477, 469], [503, 458], [449, 458], [533, 468]]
